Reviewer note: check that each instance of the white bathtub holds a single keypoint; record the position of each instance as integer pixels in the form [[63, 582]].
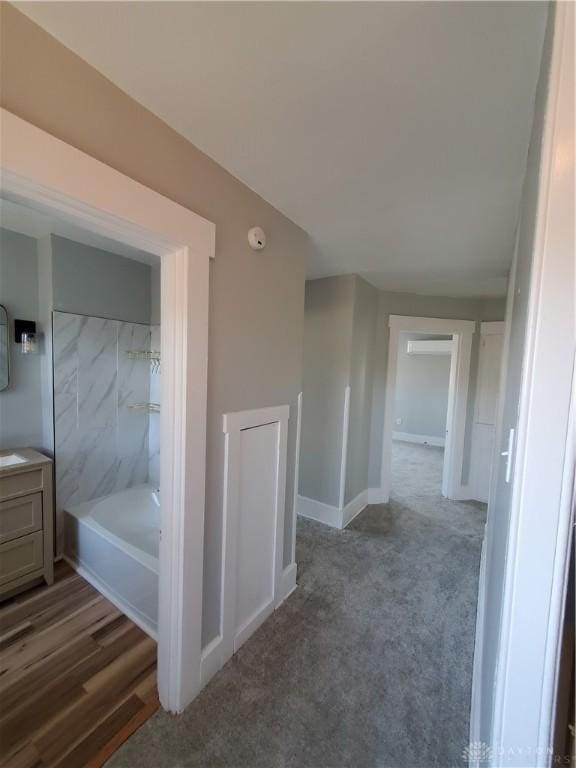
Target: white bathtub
[[113, 542]]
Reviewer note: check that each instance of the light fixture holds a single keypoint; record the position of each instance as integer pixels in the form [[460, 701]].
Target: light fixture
[[25, 335]]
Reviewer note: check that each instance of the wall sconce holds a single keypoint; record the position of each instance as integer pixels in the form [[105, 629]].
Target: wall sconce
[[25, 335]]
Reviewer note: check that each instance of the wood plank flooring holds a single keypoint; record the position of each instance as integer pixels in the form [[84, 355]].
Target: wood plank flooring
[[76, 676]]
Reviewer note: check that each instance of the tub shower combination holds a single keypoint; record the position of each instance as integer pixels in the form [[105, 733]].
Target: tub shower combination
[[106, 441], [114, 541]]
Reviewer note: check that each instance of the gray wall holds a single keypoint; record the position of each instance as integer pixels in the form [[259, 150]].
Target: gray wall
[[21, 404], [346, 342], [421, 391], [498, 522], [329, 312], [89, 281]]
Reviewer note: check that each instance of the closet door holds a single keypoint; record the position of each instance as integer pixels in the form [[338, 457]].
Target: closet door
[[486, 406], [254, 500]]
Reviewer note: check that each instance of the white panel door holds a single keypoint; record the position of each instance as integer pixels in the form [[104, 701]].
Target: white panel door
[[486, 406], [254, 501], [256, 532]]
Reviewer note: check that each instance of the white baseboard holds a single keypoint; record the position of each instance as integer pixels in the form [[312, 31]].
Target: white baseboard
[[116, 601], [317, 510], [407, 437], [213, 656], [287, 584], [354, 508], [212, 659], [335, 517], [375, 496]]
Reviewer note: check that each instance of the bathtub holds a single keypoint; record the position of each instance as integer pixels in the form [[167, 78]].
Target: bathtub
[[113, 543]]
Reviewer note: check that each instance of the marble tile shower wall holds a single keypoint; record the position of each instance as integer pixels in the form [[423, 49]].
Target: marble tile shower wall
[[101, 445]]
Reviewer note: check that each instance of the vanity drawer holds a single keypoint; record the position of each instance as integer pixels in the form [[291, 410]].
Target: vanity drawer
[[20, 484], [20, 516], [21, 556]]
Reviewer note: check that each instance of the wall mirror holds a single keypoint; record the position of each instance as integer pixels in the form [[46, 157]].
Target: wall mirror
[[4, 350]]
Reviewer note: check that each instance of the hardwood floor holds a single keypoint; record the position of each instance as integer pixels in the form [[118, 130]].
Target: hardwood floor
[[76, 676]]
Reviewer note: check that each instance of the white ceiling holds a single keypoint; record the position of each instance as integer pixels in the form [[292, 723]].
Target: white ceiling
[[38, 224], [395, 134]]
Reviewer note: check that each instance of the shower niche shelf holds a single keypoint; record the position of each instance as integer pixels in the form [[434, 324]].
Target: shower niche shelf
[[145, 407], [151, 356]]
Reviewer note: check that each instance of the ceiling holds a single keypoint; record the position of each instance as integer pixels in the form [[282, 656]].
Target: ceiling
[[38, 224], [395, 134]]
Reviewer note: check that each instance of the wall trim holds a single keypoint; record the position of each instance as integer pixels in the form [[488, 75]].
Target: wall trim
[[335, 517], [317, 510], [408, 437]]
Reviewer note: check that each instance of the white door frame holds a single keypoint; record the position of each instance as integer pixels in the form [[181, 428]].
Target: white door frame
[[51, 176], [461, 331], [543, 474]]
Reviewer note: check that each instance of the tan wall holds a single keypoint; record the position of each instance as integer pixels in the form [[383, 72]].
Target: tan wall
[[256, 299]]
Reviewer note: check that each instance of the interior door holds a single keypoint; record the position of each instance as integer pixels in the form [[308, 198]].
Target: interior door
[[487, 390], [256, 529]]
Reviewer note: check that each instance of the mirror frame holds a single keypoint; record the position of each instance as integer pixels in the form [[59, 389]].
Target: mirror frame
[[3, 389]]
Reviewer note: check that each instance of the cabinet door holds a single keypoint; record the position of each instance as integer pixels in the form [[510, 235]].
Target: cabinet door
[[20, 556]]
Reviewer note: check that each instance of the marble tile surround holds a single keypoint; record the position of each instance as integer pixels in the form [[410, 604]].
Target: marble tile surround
[[101, 446]]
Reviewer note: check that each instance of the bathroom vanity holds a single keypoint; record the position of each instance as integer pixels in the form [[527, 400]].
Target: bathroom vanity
[[26, 520]]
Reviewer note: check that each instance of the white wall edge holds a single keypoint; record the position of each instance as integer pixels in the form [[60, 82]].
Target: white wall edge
[[408, 437]]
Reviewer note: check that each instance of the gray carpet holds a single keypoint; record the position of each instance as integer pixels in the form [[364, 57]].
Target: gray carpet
[[367, 664]]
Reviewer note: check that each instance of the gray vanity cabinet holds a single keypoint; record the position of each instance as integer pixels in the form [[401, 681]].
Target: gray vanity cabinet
[[26, 520]]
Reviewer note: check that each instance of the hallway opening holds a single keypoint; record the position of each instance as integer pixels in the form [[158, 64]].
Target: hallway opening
[[423, 375]]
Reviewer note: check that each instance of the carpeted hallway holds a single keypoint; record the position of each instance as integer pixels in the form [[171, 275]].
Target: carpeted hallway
[[367, 665]]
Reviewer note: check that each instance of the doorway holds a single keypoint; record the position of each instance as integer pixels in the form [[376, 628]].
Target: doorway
[[420, 414], [58, 180], [448, 337]]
